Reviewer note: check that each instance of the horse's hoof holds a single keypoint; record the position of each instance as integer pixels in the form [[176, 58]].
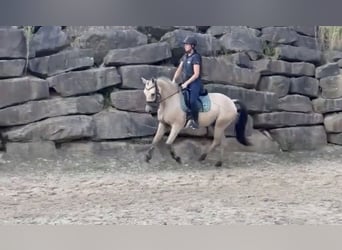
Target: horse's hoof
[[147, 158], [218, 164], [178, 159], [202, 157]]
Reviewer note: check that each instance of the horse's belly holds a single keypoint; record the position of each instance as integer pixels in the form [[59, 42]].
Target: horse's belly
[[208, 118]]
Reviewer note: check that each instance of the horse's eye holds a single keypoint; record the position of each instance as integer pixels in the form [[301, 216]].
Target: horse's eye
[[153, 95]]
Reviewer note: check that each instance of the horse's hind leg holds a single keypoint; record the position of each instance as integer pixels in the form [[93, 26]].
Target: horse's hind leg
[[219, 162], [217, 141]]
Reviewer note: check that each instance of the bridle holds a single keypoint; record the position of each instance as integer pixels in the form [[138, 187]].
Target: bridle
[[157, 98]]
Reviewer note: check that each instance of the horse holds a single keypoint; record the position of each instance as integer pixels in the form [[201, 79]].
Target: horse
[[165, 95]]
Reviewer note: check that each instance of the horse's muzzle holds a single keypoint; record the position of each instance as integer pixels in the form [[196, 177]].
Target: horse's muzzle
[[148, 108], [152, 109]]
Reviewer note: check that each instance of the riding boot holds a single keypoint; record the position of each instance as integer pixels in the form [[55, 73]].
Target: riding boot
[[193, 124], [192, 121]]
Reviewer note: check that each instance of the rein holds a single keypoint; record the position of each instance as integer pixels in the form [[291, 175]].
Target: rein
[[169, 96]]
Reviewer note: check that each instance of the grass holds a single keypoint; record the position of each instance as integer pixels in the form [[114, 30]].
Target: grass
[[28, 30], [268, 50], [330, 37]]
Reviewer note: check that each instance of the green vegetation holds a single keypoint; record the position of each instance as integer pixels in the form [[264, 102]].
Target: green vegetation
[[330, 37], [268, 49], [28, 30]]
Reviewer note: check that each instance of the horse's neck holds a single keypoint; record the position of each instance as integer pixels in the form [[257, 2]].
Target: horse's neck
[[168, 89], [170, 95]]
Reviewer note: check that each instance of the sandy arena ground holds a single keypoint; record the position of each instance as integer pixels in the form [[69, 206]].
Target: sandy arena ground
[[282, 188]]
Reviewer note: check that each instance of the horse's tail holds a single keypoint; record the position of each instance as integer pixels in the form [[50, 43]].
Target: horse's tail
[[240, 126]]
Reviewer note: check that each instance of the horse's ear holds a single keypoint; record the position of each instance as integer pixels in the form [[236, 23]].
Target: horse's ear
[[144, 80], [154, 80]]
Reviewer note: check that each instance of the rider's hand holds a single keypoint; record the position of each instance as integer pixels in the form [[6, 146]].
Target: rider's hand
[[184, 86]]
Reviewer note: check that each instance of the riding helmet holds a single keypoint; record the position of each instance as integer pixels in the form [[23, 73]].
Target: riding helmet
[[190, 40]]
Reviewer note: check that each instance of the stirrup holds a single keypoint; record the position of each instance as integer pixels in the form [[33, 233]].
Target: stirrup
[[192, 124]]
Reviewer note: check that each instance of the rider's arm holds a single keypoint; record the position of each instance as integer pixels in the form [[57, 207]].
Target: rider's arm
[[194, 76], [178, 72]]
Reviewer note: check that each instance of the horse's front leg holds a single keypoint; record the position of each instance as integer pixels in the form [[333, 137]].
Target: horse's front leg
[[157, 138], [175, 129]]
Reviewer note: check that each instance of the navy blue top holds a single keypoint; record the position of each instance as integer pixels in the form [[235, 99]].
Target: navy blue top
[[188, 65]]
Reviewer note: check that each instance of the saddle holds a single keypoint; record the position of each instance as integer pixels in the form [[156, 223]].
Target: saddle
[[203, 101]]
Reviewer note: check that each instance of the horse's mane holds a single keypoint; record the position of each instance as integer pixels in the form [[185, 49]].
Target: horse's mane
[[166, 81]]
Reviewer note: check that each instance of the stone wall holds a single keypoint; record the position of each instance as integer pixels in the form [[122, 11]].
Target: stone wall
[[78, 89]]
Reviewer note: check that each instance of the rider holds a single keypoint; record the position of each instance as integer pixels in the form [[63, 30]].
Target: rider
[[190, 65]]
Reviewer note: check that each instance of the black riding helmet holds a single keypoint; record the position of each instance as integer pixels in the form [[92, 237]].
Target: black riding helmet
[[190, 40]]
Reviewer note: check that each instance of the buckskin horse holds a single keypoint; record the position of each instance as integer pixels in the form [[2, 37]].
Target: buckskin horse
[[216, 110]]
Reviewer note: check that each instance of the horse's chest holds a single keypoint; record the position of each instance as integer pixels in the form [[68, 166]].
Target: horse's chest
[[160, 115], [167, 115]]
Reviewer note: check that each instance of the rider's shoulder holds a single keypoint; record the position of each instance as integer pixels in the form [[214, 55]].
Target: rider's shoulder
[[196, 57]]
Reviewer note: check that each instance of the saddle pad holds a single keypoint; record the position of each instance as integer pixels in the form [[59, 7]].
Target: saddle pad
[[205, 100]]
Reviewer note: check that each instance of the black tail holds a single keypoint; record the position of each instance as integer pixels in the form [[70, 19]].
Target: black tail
[[240, 126]]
